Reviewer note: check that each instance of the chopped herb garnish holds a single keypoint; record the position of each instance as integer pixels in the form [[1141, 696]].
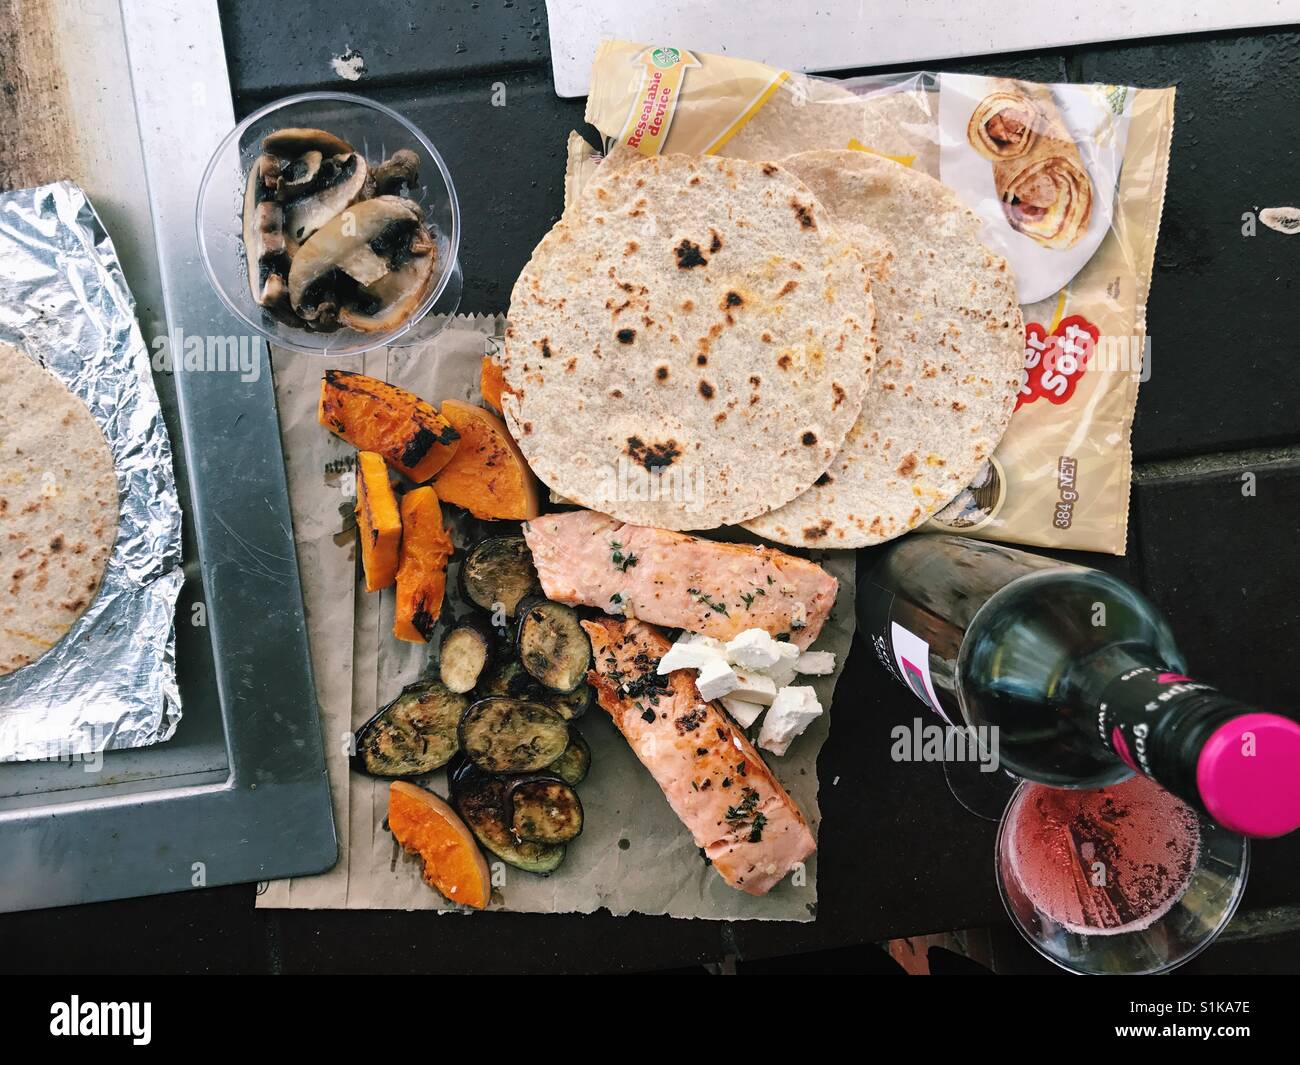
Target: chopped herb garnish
[[748, 597], [703, 597], [621, 561]]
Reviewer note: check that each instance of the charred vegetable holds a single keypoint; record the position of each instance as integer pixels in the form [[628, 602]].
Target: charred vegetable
[[552, 645], [544, 810], [483, 801], [573, 764], [373, 415], [499, 570], [501, 734], [378, 522], [510, 678], [569, 705], [414, 734], [426, 826], [492, 382], [488, 475], [464, 656], [422, 569]]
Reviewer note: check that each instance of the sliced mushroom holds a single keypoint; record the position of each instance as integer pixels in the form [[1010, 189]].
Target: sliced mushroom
[[400, 168], [291, 143], [299, 177], [355, 248], [392, 299], [340, 183], [264, 243]]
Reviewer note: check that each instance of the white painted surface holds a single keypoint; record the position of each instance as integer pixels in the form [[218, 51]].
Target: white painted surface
[[840, 34]]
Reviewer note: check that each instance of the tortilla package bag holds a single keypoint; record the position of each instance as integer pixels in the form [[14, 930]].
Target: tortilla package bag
[[1068, 182]]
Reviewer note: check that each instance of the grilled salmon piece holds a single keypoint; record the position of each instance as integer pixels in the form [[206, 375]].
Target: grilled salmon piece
[[712, 777], [679, 581]]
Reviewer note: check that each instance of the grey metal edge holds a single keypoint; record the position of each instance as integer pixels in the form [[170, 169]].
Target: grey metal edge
[[271, 816]]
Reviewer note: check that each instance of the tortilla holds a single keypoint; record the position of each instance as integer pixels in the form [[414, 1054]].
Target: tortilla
[[811, 114], [689, 345], [58, 509], [951, 342]]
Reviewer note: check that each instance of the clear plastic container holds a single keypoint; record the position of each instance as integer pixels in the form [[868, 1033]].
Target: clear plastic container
[[1171, 935], [376, 132]]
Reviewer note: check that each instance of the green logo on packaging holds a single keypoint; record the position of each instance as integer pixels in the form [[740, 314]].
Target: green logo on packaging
[[664, 58]]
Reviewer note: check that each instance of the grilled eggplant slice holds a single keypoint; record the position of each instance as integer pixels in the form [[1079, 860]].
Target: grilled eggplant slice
[[573, 764], [464, 655], [501, 734], [483, 800], [499, 570], [552, 645], [544, 810], [415, 734], [569, 705], [510, 678]]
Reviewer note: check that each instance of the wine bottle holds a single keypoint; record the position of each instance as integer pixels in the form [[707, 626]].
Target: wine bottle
[[1079, 675]]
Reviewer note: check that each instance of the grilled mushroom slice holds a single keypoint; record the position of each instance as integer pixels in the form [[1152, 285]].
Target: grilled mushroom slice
[[264, 244], [400, 168], [299, 176], [388, 302], [361, 247], [338, 183], [293, 142]]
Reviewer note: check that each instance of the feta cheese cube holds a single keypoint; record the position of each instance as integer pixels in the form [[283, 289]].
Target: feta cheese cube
[[707, 641], [742, 711], [690, 656], [715, 680], [793, 710], [783, 673], [754, 687], [753, 649], [816, 663]]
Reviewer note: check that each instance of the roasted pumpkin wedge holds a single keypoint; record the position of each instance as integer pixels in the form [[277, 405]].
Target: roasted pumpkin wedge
[[415, 734], [378, 522], [422, 566], [492, 382], [373, 415], [483, 801], [426, 826], [487, 475]]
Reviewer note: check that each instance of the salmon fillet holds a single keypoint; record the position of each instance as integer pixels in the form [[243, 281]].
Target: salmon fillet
[[677, 580], [712, 777]]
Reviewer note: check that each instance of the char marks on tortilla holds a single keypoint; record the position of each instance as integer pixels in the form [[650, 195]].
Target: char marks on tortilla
[[689, 345], [951, 354]]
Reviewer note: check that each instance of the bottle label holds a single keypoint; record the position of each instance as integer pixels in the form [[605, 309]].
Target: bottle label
[[904, 654], [1135, 703]]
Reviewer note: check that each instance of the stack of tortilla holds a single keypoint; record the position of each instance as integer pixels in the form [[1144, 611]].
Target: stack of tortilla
[[653, 325], [58, 509]]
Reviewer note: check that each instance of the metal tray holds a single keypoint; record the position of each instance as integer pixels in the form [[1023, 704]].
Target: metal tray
[[240, 793]]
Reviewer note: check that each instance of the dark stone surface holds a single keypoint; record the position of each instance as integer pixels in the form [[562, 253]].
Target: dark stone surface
[[1225, 355], [275, 49], [898, 855]]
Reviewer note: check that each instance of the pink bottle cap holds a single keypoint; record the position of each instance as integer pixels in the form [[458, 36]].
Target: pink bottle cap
[[1248, 774]]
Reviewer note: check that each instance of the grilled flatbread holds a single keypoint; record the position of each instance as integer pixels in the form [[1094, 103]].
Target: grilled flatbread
[[58, 509], [951, 342], [689, 345]]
